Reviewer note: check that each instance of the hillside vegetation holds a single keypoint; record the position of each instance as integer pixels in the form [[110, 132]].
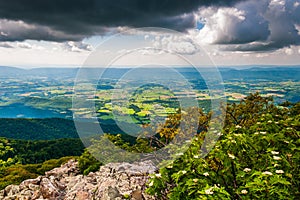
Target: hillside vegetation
[[21, 159], [45, 129], [257, 155]]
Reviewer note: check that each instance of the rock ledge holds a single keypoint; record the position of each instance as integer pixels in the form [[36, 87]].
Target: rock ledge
[[114, 181]]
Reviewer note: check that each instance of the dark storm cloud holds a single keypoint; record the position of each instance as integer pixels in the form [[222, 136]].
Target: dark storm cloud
[[60, 20]]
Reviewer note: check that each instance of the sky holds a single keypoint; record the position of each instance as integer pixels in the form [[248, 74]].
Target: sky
[[54, 33]]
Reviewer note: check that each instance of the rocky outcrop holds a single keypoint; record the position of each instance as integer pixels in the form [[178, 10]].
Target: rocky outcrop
[[112, 182]]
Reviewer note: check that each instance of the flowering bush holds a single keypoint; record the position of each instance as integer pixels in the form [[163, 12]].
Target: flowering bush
[[256, 157]]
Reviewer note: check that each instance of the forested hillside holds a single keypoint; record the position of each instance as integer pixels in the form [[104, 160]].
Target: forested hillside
[[45, 129], [257, 155], [23, 159], [37, 129]]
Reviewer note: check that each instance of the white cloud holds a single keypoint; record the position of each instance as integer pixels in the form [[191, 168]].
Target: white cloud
[[232, 25], [262, 55], [3, 34], [253, 25], [277, 2], [24, 45], [28, 44], [6, 45], [77, 46], [289, 51], [176, 44], [219, 24]]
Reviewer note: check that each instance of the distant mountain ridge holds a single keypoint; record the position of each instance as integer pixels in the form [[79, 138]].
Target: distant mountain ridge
[[227, 73], [8, 70], [49, 72]]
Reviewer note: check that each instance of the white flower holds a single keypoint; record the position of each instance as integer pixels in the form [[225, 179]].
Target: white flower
[[274, 152], [231, 156], [238, 126], [258, 123], [206, 174], [276, 122], [196, 156], [247, 170], [244, 191], [276, 158], [267, 173], [270, 121], [179, 154], [256, 133], [263, 132], [151, 183], [279, 171], [184, 172], [209, 191], [195, 180], [169, 166], [158, 175]]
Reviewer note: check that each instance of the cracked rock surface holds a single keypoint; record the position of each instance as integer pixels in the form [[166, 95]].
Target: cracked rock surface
[[114, 181]]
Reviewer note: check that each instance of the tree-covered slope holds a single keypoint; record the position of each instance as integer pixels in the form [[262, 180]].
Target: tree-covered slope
[[29, 152], [47, 128], [37, 129]]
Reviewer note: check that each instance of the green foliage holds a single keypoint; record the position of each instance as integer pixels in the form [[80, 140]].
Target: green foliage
[[37, 129], [109, 148], [50, 164], [15, 174], [7, 153], [256, 157], [88, 163], [31, 152], [47, 128]]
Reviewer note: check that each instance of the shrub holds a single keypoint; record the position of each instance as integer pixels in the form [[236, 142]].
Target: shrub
[[256, 157]]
